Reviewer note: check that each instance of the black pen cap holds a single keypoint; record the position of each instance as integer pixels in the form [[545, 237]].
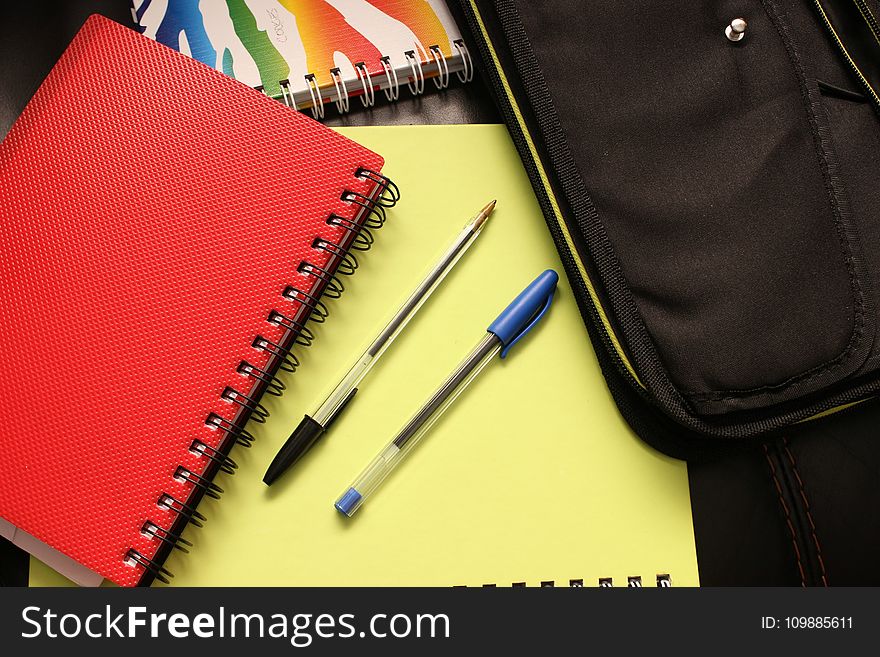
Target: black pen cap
[[300, 441]]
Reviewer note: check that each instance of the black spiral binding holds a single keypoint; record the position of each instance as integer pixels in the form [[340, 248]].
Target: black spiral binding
[[369, 214], [375, 217], [209, 487], [347, 261], [223, 462], [242, 436], [288, 362], [157, 571], [333, 287], [363, 238], [274, 385], [184, 510], [317, 309], [258, 412], [177, 542], [304, 335], [664, 581]]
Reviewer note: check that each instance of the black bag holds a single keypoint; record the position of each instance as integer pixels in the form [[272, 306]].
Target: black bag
[[714, 208], [712, 186]]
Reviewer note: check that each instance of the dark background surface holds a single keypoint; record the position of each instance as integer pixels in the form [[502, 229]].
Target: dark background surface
[[741, 535]]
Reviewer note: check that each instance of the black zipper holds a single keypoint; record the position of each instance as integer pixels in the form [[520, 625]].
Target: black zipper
[[871, 22], [866, 13]]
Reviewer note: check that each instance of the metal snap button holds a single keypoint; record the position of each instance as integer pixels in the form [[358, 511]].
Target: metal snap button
[[736, 30]]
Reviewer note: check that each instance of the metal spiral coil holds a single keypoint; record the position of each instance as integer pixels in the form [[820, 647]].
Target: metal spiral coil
[[159, 572], [416, 82], [414, 72], [369, 212], [304, 335], [664, 581], [347, 261], [392, 90], [242, 436], [363, 239], [368, 98], [375, 211], [274, 385], [317, 309], [315, 95], [390, 192], [333, 287], [286, 93], [259, 413], [441, 81], [223, 462], [467, 73], [289, 362], [342, 103], [171, 503], [387, 199], [151, 530], [211, 489]]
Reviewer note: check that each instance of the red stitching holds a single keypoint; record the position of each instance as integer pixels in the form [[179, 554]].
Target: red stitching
[[809, 513], [797, 552]]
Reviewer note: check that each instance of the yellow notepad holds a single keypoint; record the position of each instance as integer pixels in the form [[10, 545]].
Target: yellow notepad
[[531, 477]]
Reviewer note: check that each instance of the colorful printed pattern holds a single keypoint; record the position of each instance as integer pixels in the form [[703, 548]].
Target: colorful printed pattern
[[262, 42]]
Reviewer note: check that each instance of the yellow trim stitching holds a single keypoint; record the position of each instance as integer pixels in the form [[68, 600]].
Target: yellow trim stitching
[[556, 211], [832, 411]]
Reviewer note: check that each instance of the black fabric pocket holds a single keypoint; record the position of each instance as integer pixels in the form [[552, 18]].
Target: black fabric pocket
[[714, 175]]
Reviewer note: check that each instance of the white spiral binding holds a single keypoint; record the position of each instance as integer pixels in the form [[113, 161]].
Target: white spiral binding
[[341, 91], [369, 96], [287, 94], [416, 83], [439, 68], [442, 79], [467, 73], [392, 93], [315, 93]]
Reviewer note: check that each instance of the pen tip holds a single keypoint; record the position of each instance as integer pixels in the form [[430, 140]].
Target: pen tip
[[483, 215]]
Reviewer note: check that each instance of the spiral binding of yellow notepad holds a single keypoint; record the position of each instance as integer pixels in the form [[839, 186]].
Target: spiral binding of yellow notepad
[[555, 489]]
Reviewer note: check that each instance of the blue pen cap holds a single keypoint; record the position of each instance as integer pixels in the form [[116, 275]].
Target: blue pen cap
[[525, 311], [349, 502]]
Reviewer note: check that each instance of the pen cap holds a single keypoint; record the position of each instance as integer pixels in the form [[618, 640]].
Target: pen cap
[[525, 311], [300, 441]]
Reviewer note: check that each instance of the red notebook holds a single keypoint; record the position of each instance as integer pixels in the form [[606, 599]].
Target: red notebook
[[166, 232]]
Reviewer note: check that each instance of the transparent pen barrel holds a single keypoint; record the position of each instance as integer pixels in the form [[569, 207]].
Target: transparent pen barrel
[[419, 425], [375, 473], [342, 391], [425, 289], [446, 394], [397, 323]]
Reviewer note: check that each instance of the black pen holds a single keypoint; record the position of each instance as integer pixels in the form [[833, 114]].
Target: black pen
[[311, 427]]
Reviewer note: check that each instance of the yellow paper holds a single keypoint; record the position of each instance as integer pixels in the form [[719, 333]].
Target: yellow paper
[[532, 476]]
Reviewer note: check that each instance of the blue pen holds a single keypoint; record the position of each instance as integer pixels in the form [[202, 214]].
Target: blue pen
[[517, 319]]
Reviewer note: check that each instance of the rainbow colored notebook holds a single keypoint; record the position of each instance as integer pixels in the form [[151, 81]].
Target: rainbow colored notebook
[[311, 52]]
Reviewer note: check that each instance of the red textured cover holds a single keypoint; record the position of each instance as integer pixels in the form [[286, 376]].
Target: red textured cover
[[153, 210]]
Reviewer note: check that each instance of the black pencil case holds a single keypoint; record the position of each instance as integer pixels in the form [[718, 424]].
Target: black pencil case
[[713, 195]]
